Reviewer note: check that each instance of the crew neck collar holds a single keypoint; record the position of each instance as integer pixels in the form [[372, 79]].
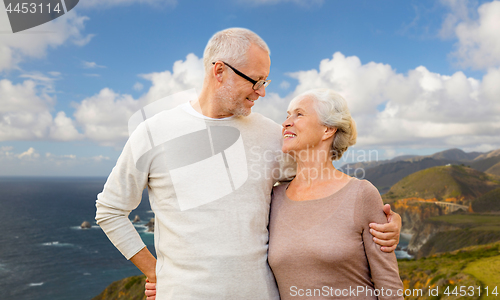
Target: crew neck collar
[[187, 107]]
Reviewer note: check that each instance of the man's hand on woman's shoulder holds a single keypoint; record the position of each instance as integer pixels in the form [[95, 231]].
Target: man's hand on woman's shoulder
[[387, 235]]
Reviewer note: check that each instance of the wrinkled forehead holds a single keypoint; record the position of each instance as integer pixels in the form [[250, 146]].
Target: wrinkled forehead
[[305, 102]]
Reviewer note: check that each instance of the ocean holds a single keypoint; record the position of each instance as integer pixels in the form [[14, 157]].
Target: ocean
[[45, 255]]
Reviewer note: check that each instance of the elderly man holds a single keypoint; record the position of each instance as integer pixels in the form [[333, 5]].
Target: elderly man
[[209, 167]]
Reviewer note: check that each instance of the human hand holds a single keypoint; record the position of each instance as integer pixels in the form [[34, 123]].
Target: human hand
[[150, 291], [387, 235]]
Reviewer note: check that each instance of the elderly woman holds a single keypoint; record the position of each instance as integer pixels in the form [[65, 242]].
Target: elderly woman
[[320, 244]]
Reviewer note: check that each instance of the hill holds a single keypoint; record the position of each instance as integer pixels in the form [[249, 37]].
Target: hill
[[488, 154], [476, 266], [373, 163], [130, 288], [435, 192], [386, 175], [455, 154], [495, 170], [451, 183], [489, 202], [484, 164], [468, 230]]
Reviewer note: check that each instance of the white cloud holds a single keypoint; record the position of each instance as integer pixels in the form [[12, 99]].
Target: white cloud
[[30, 162], [34, 42], [104, 117], [185, 75], [91, 65], [29, 154], [284, 84], [478, 43], [138, 86], [63, 129], [50, 157], [273, 107], [460, 10], [5, 151], [419, 109], [25, 108], [25, 111], [99, 158]]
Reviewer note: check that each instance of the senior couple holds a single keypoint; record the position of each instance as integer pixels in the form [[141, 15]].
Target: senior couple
[[223, 233]]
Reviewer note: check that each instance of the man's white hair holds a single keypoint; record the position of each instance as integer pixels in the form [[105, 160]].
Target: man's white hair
[[231, 45]]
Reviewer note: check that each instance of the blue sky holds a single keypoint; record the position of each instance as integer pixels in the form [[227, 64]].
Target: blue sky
[[419, 76]]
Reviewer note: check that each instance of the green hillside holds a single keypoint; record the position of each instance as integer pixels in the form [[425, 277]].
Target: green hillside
[[495, 170], [488, 202], [484, 164], [386, 175], [130, 288], [476, 266], [473, 229], [455, 154], [443, 182]]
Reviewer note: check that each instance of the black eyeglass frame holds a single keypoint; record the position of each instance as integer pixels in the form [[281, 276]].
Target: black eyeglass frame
[[264, 83]]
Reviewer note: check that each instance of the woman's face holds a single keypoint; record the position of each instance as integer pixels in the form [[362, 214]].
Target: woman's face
[[302, 130]]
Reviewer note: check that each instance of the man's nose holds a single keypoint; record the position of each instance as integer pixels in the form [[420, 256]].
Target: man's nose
[[261, 91]]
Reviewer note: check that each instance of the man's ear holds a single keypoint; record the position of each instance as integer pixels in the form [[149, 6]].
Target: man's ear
[[218, 71], [329, 132]]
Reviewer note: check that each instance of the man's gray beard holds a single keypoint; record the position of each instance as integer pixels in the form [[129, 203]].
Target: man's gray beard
[[228, 104]]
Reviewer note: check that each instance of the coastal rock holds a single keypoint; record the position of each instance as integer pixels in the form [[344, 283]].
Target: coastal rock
[[136, 219], [424, 231], [151, 225], [85, 225]]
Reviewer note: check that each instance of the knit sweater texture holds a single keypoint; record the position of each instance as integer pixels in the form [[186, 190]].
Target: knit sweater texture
[[209, 183], [322, 249]]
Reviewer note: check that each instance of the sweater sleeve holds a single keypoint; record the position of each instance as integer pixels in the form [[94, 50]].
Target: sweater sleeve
[[122, 193], [383, 266]]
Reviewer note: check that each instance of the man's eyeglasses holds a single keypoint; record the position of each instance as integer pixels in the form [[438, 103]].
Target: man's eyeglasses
[[257, 84]]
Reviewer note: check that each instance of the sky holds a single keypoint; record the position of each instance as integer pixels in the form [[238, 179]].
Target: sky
[[419, 76]]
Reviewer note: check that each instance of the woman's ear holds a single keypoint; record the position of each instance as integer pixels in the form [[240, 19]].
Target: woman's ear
[[329, 132]]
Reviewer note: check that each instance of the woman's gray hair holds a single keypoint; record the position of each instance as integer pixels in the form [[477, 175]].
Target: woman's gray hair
[[231, 45], [333, 112]]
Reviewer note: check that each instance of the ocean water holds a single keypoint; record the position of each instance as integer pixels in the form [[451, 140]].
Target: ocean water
[[44, 255], [43, 252]]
